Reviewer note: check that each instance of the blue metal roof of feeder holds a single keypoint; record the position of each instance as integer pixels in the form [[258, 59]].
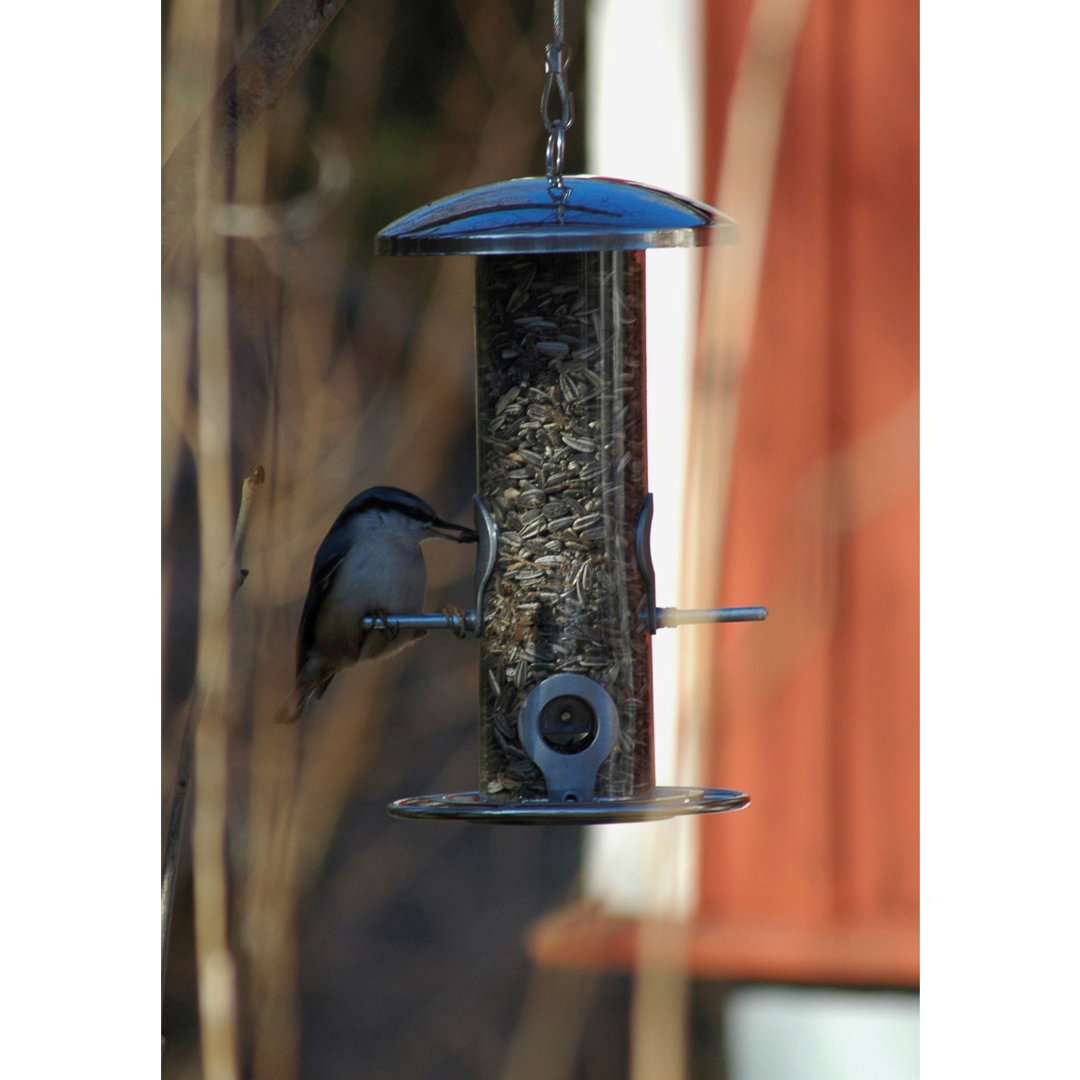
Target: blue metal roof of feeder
[[588, 213]]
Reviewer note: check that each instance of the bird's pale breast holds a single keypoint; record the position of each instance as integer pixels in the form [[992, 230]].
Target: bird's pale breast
[[389, 576]]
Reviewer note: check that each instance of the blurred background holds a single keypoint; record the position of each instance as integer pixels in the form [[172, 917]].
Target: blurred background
[[333, 941]]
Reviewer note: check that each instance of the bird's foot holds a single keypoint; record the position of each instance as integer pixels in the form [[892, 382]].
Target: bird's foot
[[381, 615], [456, 616]]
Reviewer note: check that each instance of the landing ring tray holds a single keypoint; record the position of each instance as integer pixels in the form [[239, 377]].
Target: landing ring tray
[[660, 803]]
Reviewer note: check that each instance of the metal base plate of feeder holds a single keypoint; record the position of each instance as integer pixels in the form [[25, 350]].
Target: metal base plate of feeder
[[656, 805]]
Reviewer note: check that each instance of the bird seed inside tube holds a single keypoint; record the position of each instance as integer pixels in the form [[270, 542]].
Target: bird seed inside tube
[[560, 381]]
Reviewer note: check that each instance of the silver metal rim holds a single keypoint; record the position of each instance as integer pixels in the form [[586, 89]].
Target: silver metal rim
[[660, 803]]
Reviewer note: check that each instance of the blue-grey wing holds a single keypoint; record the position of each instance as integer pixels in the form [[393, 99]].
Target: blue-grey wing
[[328, 560]]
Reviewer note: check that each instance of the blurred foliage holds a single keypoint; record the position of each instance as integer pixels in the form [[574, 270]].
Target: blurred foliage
[[365, 946]]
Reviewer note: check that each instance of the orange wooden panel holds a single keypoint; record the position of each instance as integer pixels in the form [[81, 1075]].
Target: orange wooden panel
[[816, 712], [857, 954]]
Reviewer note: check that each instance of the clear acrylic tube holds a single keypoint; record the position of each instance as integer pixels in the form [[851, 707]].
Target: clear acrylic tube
[[561, 461]]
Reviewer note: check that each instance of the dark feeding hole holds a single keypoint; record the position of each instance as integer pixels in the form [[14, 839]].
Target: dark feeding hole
[[568, 724]]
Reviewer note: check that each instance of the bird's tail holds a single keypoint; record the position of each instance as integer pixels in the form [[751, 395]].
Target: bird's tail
[[292, 708]]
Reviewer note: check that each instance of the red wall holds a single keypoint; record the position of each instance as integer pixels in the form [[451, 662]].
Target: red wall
[[816, 711]]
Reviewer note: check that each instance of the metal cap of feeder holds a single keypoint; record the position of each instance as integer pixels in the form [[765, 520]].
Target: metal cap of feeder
[[579, 712], [585, 213]]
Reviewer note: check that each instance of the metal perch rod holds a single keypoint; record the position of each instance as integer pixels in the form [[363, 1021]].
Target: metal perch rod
[[669, 616], [432, 620], [462, 621]]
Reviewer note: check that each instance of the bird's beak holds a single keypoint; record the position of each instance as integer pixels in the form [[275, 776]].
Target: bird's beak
[[458, 533]]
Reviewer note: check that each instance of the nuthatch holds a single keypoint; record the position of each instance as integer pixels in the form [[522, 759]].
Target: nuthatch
[[369, 564]]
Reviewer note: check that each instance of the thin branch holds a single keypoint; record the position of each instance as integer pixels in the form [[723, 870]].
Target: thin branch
[[173, 836], [254, 479], [175, 830], [254, 85]]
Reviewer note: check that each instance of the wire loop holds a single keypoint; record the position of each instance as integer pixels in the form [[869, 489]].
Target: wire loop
[[556, 60]]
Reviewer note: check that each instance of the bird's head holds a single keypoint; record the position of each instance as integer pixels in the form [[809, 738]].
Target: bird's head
[[400, 513]]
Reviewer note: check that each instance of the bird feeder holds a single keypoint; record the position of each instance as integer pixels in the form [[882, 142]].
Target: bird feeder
[[565, 601]]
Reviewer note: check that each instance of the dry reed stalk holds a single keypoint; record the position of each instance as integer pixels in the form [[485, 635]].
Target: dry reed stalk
[[299, 793], [214, 959], [205, 742], [174, 830], [221, 576], [730, 291], [254, 84], [659, 1022], [319, 449], [317, 433], [170, 862], [553, 1022], [269, 905], [268, 934], [206, 738]]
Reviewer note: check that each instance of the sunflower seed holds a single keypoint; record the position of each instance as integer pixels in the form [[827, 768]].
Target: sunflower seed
[[586, 446]]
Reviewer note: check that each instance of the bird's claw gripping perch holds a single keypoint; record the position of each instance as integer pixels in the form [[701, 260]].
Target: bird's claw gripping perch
[[457, 620], [381, 621]]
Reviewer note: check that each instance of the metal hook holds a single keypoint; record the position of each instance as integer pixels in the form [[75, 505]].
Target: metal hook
[[556, 60]]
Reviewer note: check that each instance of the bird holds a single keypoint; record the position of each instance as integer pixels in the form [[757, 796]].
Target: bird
[[369, 563]]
